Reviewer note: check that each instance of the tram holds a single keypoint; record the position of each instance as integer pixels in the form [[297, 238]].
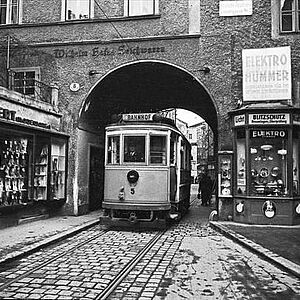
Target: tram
[[147, 171]]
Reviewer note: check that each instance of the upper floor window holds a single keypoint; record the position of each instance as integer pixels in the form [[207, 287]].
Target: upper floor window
[[9, 11], [290, 15], [25, 81], [79, 9], [140, 7]]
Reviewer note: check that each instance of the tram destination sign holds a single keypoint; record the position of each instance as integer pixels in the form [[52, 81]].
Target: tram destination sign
[[275, 118], [138, 117]]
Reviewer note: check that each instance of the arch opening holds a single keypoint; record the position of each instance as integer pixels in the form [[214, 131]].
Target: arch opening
[[146, 86]]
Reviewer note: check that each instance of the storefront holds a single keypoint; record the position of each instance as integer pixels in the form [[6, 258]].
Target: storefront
[[33, 162], [261, 176]]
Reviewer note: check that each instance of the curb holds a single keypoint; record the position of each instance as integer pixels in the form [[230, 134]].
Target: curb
[[266, 254], [46, 242]]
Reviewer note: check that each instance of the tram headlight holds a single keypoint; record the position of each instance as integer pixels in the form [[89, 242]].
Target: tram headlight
[[132, 176]]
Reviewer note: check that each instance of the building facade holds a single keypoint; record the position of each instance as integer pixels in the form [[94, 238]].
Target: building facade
[[68, 66]]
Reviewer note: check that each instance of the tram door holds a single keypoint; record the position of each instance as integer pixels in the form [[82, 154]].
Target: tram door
[[96, 178]]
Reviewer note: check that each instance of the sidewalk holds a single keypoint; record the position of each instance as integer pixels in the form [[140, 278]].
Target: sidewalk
[[267, 242], [18, 241]]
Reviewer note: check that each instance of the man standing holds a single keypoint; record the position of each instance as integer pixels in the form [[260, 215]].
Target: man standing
[[205, 186]]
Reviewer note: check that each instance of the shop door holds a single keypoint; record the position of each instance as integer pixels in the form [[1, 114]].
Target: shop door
[[96, 177]]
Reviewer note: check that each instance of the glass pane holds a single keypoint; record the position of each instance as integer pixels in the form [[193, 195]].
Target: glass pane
[[77, 9], [134, 149], [158, 151], [141, 7], [41, 169], [296, 155], [113, 150], [241, 166], [268, 165], [58, 169], [2, 14], [15, 169], [287, 22], [286, 5], [14, 12]]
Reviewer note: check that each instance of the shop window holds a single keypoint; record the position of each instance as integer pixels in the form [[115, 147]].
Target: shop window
[[25, 81], [268, 162], [78, 9], [15, 162], [296, 161], [113, 150], [158, 151], [41, 168], [140, 7], [289, 15], [241, 161], [225, 174], [58, 169], [134, 149], [9, 11]]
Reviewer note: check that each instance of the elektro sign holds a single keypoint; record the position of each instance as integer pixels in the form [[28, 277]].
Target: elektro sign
[[267, 74]]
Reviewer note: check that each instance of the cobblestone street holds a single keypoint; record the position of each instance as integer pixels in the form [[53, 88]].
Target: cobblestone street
[[188, 261]]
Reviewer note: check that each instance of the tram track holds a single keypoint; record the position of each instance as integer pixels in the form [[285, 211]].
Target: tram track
[[118, 279], [49, 261]]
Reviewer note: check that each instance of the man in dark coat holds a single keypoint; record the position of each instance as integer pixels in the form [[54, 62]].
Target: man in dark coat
[[205, 186]]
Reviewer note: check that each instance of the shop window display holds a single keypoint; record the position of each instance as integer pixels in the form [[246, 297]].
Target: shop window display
[[58, 169], [15, 159], [268, 167], [241, 162], [225, 175], [41, 169]]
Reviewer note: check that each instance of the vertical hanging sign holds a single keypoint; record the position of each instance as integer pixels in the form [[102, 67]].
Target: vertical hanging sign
[[267, 74]]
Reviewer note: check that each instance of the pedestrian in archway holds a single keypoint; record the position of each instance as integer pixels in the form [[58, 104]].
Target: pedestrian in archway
[[205, 189]]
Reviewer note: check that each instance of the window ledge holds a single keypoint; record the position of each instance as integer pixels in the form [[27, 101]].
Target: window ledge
[[28, 101]]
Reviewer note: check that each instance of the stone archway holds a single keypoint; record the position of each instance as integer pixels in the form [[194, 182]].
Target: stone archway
[[143, 86]]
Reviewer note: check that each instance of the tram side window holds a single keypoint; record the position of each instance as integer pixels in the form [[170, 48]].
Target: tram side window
[[113, 150], [158, 152], [173, 150], [134, 149]]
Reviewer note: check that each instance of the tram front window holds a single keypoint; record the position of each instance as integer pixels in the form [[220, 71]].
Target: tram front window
[[134, 149]]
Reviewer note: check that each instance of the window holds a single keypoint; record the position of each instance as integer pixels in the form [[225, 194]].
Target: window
[[9, 11], [140, 7], [158, 151], [134, 149], [113, 150], [268, 163], [290, 15], [79, 9], [25, 81]]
